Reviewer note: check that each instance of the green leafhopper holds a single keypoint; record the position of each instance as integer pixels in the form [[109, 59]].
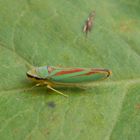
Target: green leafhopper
[[51, 76]]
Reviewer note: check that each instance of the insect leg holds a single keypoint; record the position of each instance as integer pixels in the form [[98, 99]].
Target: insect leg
[[48, 86], [37, 85]]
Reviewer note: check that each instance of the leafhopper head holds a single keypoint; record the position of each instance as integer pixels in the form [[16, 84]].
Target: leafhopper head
[[39, 74]]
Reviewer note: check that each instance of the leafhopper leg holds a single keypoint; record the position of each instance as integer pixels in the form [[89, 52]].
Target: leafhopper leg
[[37, 85], [48, 86]]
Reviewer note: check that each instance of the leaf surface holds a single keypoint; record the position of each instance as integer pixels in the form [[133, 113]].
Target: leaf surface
[[45, 32]]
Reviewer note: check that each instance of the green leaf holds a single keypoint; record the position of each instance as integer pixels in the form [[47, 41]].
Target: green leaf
[[46, 32]]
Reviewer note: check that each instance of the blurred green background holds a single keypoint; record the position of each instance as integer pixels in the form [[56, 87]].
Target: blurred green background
[[49, 32]]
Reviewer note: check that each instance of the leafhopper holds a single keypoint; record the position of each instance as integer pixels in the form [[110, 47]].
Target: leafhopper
[[52, 77]]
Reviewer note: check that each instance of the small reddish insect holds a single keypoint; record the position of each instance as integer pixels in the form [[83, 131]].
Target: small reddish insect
[[89, 23]]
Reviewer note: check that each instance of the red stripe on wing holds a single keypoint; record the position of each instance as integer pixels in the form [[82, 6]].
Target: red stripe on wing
[[86, 74], [68, 71], [93, 71], [89, 73]]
